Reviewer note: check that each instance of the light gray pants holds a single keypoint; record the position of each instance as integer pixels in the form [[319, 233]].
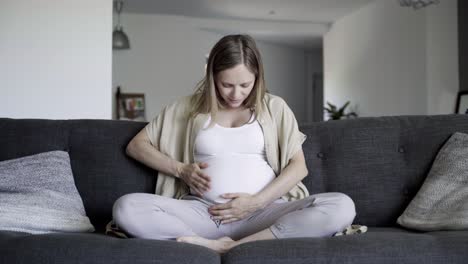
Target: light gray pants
[[151, 216]]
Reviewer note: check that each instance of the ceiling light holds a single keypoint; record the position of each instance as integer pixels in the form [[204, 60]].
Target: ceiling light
[[417, 4], [119, 38]]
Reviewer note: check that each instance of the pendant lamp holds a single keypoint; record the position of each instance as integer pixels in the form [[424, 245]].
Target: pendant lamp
[[417, 4], [119, 38]]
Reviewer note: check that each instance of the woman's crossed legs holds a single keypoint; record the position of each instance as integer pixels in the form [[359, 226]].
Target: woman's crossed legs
[[188, 220]]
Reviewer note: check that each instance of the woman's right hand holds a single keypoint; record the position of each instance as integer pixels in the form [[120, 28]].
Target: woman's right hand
[[194, 177]]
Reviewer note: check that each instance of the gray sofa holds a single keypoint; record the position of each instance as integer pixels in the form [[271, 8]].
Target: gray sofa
[[379, 162]]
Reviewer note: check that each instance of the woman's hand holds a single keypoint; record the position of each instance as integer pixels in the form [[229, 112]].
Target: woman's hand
[[241, 205], [193, 176]]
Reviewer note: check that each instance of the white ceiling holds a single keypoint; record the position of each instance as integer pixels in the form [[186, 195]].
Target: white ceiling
[[298, 23]]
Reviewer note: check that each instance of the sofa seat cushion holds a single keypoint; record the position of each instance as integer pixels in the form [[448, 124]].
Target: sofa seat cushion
[[18, 247], [378, 245]]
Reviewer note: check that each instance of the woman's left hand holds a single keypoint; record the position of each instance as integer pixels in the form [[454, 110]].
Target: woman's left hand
[[241, 205]]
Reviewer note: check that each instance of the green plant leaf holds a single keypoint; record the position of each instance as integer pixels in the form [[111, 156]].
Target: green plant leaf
[[344, 106], [332, 106]]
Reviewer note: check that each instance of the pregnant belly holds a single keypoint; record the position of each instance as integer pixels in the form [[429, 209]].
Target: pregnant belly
[[235, 173]]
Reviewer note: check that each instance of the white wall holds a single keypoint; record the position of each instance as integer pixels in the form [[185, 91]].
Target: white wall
[[442, 57], [56, 59], [385, 59], [285, 75], [167, 58], [165, 61]]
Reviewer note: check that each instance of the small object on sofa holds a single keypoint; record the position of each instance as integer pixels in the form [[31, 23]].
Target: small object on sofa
[[442, 201], [351, 230], [38, 195]]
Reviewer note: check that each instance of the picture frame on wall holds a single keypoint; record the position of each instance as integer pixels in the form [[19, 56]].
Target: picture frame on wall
[[461, 106], [130, 106]]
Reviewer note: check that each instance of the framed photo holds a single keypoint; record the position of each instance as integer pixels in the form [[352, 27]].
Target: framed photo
[[462, 103], [130, 106]]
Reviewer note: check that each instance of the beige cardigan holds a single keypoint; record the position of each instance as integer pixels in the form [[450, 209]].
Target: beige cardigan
[[173, 133]]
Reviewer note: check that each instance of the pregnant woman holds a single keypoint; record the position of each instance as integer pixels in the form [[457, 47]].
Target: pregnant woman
[[230, 164]]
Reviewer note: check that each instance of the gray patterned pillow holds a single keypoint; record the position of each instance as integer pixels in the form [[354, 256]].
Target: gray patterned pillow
[[38, 195], [442, 201]]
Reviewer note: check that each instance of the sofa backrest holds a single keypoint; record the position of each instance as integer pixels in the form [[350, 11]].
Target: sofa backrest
[[380, 162], [100, 167]]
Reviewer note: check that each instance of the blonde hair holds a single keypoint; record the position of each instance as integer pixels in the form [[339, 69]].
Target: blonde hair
[[227, 53]]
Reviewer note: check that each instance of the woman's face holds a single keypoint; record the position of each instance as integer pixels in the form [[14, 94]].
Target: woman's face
[[234, 85]]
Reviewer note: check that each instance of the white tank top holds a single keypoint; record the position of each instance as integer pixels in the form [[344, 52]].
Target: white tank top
[[236, 159]]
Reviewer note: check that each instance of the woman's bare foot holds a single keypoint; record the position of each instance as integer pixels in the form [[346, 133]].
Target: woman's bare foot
[[220, 245]]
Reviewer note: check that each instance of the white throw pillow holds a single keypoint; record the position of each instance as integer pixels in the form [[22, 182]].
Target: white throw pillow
[[38, 195], [442, 201]]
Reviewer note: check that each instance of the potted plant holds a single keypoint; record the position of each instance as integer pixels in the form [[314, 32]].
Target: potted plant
[[336, 114]]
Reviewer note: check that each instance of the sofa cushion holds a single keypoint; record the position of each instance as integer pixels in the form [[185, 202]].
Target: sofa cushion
[[103, 172], [378, 245], [380, 162], [24, 137], [93, 248], [38, 195], [441, 203]]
